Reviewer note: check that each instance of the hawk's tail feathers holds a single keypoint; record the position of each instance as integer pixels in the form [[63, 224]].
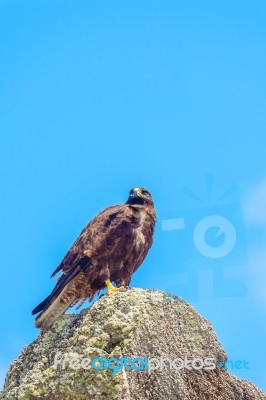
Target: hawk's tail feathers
[[57, 307], [41, 306], [61, 297]]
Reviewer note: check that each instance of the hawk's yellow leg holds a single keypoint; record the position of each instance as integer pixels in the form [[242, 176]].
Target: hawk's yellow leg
[[112, 289]]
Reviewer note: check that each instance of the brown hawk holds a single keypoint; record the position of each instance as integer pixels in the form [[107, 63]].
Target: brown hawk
[[109, 249]]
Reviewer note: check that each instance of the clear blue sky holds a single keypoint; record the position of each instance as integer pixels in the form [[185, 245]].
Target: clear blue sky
[[97, 97]]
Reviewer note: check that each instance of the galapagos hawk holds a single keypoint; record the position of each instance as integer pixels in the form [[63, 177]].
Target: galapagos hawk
[[109, 249]]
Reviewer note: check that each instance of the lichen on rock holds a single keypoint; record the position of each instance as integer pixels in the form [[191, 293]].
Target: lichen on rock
[[135, 323]]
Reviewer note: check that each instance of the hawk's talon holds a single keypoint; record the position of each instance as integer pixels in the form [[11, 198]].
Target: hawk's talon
[[112, 289], [115, 290]]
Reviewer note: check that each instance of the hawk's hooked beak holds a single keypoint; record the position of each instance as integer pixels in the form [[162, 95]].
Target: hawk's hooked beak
[[136, 192]]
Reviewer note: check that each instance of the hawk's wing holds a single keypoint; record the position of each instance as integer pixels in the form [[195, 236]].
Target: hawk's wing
[[88, 238]]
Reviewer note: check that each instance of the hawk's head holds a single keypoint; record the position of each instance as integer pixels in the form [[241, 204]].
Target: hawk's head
[[139, 195]]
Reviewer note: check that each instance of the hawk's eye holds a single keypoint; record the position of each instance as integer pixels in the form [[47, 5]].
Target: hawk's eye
[[145, 192]]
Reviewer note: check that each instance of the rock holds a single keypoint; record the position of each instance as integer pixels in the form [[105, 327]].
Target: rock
[[135, 323]]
